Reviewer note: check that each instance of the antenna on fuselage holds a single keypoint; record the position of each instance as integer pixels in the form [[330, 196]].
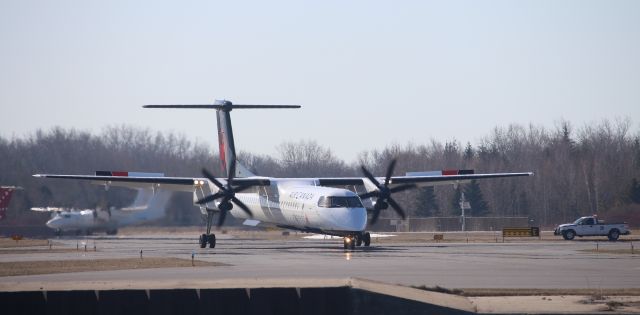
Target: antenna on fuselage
[[225, 131]]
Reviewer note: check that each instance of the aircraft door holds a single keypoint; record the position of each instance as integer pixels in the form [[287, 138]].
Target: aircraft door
[[263, 197]]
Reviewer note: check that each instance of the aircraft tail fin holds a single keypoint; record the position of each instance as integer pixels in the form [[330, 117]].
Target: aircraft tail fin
[[5, 197], [143, 197], [225, 132], [158, 203], [152, 203]]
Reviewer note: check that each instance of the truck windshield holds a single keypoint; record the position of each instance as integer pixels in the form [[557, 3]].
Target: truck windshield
[[339, 202]]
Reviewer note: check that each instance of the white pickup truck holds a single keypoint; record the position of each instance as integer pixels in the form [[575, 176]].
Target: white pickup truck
[[591, 226]]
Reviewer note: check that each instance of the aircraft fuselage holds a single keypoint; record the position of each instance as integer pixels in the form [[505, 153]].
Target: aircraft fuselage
[[300, 204]]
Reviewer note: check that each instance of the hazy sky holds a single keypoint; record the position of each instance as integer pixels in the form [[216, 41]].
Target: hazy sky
[[367, 73]]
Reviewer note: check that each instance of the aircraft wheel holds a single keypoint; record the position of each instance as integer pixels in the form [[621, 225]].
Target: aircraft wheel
[[212, 241], [366, 238], [349, 242], [358, 240], [203, 240]]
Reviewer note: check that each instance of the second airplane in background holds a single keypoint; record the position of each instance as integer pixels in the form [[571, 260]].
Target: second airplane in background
[[149, 205], [306, 204]]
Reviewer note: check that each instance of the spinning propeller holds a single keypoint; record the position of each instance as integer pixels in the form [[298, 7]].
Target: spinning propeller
[[227, 194], [383, 192]]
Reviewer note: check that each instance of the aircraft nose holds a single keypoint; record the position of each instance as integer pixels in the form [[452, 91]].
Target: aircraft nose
[[53, 223], [350, 219]]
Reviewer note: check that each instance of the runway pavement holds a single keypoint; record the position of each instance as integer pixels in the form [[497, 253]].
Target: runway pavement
[[516, 264]]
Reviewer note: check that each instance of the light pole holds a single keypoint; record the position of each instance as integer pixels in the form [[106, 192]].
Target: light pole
[[463, 205]]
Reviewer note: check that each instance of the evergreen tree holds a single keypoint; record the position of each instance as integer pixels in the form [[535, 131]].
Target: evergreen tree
[[636, 152], [634, 192], [426, 203], [473, 195], [566, 136], [468, 152], [523, 204], [455, 201]]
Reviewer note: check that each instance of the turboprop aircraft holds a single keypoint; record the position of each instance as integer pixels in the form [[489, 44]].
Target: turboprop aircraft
[[149, 205], [304, 204]]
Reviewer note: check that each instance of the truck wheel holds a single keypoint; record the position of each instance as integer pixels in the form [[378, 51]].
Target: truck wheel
[[569, 235], [613, 235]]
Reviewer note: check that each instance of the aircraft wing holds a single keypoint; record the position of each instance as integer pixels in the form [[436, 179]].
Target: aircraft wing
[[170, 183], [48, 209], [421, 179], [149, 180]]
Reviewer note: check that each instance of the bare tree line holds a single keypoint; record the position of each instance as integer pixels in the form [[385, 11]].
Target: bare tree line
[[579, 171]]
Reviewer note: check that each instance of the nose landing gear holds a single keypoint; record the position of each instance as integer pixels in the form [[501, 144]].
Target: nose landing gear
[[351, 241]]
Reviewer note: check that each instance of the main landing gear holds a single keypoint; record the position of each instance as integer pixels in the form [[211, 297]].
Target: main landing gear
[[351, 241], [208, 238]]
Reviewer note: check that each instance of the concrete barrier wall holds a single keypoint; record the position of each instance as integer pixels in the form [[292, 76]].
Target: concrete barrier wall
[[431, 224], [280, 301]]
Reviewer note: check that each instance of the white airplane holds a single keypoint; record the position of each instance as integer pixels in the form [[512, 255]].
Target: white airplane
[[149, 205], [304, 204]]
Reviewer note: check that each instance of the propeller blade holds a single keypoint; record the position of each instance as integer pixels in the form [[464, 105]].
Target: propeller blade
[[242, 206], [227, 193], [374, 218], [401, 188], [212, 179], [396, 207], [242, 188], [370, 176], [208, 199], [370, 194], [390, 169], [223, 215]]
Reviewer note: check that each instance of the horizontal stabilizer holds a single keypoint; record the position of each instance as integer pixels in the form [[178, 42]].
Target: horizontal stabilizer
[[222, 106]]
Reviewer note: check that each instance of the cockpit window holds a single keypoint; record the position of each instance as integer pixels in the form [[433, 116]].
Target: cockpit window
[[339, 202]]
